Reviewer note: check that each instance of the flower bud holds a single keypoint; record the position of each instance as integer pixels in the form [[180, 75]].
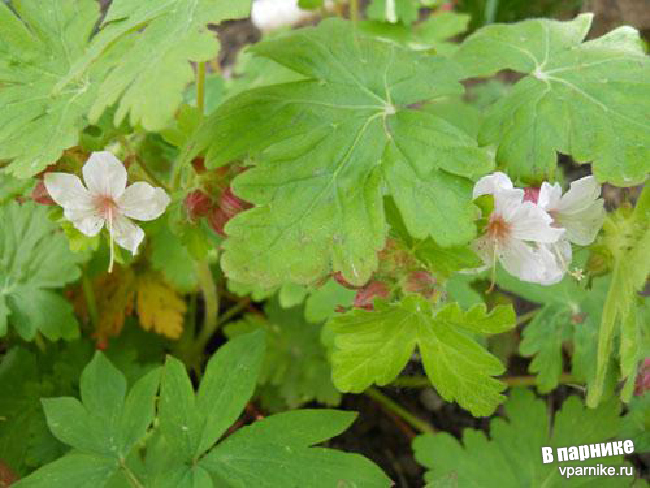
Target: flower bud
[[366, 295], [197, 204], [420, 282], [231, 204], [217, 220]]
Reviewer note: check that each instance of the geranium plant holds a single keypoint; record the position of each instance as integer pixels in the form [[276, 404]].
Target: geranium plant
[[331, 219]]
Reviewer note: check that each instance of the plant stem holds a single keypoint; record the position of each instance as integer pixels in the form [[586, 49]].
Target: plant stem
[[211, 304], [200, 87], [418, 424], [89, 296], [423, 381], [234, 310]]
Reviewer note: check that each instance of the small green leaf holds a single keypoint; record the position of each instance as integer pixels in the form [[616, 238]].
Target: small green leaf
[[373, 347]]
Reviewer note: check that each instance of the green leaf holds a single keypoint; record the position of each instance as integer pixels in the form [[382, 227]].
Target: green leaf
[[512, 457], [103, 429], [628, 239], [604, 81], [34, 259], [107, 423], [228, 384], [150, 88], [317, 184], [252, 455], [295, 368], [192, 424], [38, 46], [373, 347], [72, 471]]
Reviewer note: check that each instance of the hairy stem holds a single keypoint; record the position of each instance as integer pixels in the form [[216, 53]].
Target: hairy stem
[[418, 424], [354, 10]]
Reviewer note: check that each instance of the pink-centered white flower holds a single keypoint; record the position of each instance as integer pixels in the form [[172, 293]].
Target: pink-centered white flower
[[106, 200], [516, 232]]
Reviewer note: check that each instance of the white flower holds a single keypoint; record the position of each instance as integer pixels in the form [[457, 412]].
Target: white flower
[[580, 211], [107, 200], [273, 14], [516, 232]]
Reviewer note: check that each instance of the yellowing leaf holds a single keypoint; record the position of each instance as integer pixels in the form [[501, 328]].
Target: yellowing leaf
[[159, 306], [114, 293]]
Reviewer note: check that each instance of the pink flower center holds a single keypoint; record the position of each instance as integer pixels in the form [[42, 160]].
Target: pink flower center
[[105, 205]]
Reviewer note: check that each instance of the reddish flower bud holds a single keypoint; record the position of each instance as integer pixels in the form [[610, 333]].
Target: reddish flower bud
[[642, 383], [197, 204], [231, 204], [531, 194], [366, 295], [40, 194], [217, 220], [421, 282], [198, 164]]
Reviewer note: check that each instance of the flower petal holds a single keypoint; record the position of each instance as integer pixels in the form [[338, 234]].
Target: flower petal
[[126, 233], [141, 201], [549, 196], [491, 184], [582, 227], [555, 259], [86, 220], [530, 223], [581, 195], [104, 174], [521, 260], [67, 190]]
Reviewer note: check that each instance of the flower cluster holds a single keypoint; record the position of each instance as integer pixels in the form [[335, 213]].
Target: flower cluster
[[530, 231]]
